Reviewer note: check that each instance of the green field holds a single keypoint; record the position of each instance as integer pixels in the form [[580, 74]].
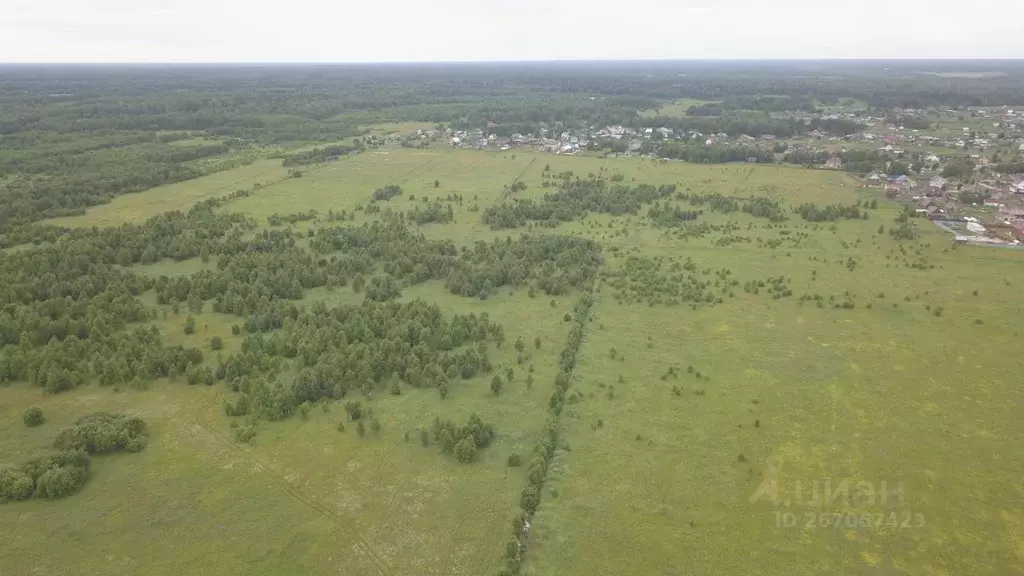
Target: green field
[[914, 384], [673, 109]]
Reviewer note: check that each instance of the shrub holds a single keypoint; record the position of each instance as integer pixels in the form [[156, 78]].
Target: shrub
[[216, 343], [465, 450], [103, 432], [245, 433], [190, 325], [514, 460], [53, 476], [354, 409], [32, 416]]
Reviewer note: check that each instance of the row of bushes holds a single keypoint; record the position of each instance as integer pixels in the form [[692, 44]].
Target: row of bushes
[[545, 451]]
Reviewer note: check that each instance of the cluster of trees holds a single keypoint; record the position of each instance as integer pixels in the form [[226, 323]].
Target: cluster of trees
[[321, 155], [67, 308], [435, 212], [668, 216], [758, 206], [464, 441], [1009, 167], [276, 219], [368, 348], [65, 471], [103, 432], [731, 122], [574, 200], [698, 153], [51, 477], [387, 192], [814, 213], [641, 278], [554, 264]]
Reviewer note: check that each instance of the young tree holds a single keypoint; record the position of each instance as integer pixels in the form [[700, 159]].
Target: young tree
[[520, 346], [361, 429], [496, 385], [190, 325], [536, 342]]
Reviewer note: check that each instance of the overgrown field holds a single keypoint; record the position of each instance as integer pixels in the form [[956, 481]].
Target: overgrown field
[[738, 356]]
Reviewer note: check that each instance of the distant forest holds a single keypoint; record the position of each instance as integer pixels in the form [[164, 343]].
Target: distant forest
[[76, 136]]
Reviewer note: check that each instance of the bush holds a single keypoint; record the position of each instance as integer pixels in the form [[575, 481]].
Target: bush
[[32, 416], [190, 325], [103, 432], [216, 343], [245, 433], [465, 450], [50, 477], [514, 460], [354, 409]]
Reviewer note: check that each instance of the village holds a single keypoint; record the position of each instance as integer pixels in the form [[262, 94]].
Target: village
[[945, 173]]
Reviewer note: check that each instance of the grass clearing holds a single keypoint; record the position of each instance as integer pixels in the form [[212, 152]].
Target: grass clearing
[[131, 208], [673, 109]]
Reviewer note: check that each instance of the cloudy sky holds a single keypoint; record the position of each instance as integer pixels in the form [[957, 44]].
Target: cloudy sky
[[463, 30]]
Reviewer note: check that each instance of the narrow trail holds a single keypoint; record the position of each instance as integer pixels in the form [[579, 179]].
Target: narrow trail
[[282, 483]]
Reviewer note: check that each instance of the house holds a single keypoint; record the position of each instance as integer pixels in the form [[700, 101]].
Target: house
[[975, 227], [937, 185], [752, 160], [834, 163], [900, 183], [748, 139], [934, 213]]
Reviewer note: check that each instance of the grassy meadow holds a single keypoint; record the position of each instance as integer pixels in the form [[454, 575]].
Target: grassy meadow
[[915, 386], [673, 109]]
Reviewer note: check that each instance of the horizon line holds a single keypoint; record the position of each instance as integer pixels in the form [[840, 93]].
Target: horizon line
[[524, 61]]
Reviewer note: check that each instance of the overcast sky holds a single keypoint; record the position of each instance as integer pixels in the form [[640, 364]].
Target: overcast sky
[[462, 30]]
